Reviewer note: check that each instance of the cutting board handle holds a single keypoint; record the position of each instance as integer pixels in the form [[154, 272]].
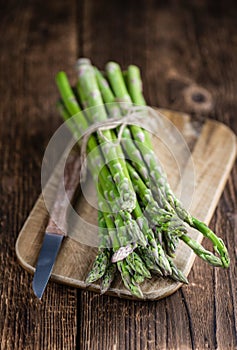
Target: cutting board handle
[[68, 183]]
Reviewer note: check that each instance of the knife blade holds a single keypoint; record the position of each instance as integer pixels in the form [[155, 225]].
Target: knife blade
[[54, 234]]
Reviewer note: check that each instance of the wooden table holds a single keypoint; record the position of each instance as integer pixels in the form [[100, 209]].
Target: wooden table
[[188, 55]]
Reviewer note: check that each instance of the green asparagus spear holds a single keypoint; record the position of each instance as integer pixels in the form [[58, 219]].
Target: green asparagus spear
[[138, 265], [204, 254], [134, 83], [177, 275], [128, 281], [88, 89], [108, 278], [99, 266]]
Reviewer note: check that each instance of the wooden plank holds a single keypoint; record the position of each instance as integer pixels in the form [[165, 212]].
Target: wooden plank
[[38, 38]]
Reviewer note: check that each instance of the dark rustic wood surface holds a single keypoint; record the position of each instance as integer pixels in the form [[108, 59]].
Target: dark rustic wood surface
[[184, 48]]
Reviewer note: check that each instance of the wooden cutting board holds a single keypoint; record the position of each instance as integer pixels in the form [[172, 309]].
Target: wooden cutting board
[[213, 149]]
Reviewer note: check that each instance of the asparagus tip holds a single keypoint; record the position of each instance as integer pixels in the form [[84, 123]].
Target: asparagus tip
[[82, 60], [123, 252]]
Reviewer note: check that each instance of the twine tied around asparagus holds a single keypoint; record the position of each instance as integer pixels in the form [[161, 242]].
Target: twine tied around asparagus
[[133, 113]]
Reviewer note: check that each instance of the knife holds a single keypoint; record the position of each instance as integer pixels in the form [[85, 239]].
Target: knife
[[54, 234]]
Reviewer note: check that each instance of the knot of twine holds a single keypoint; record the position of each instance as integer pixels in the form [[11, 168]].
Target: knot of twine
[[132, 115]]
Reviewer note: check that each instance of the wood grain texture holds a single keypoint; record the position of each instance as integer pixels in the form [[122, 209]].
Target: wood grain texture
[[36, 39], [201, 174], [180, 45]]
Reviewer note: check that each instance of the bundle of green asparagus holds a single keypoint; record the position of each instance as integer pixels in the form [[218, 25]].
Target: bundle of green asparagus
[[140, 220]]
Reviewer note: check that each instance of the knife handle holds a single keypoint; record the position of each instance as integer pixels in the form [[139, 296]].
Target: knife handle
[[68, 183]]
